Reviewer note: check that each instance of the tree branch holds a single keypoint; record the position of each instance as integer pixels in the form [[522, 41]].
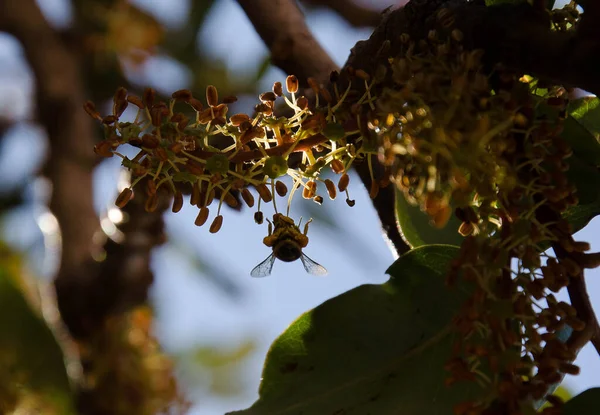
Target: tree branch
[[580, 300], [281, 25]]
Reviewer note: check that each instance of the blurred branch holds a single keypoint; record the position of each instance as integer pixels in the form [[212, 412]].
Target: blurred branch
[[59, 99], [293, 48], [353, 13], [119, 282]]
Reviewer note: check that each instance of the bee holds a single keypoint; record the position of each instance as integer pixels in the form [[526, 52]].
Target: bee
[[287, 242]]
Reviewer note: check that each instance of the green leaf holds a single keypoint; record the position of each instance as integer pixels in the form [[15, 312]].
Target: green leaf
[[376, 349], [587, 112], [584, 144], [583, 171], [415, 226], [29, 349], [586, 403]]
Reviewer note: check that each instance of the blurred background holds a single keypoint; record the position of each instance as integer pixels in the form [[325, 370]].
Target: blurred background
[[212, 318]]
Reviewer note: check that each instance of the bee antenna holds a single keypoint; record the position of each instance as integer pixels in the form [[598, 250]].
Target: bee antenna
[[300, 222]]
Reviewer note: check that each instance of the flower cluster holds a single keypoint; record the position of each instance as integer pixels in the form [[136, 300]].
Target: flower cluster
[[484, 144], [214, 155]]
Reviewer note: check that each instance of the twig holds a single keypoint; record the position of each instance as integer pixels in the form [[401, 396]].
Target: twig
[[293, 48], [580, 300]]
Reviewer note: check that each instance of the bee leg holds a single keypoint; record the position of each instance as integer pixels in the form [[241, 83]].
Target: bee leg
[[270, 228], [306, 226]]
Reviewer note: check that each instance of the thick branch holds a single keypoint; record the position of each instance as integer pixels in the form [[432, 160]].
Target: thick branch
[[516, 35], [59, 97], [281, 25]]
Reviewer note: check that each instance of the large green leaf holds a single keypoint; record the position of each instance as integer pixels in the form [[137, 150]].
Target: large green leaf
[[415, 226], [586, 403], [376, 349], [583, 171], [29, 350], [587, 112]]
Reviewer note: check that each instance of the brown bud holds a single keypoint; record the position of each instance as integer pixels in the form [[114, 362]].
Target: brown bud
[[337, 166], [196, 104], [151, 203], [202, 216], [350, 202], [148, 97], [135, 100], [238, 119], [264, 192], [268, 96], [343, 182], [230, 99], [195, 198], [330, 189], [318, 200], [309, 190], [183, 95], [109, 119], [177, 202], [466, 228], [104, 149], [120, 95], [278, 89], [124, 197], [120, 108], [302, 103], [248, 198], [231, 201], [581, 246], [292, 84], [156, 116], [216, 225], [280, 188], [258, 217], [212, 98], [90, 108], [359, 73]]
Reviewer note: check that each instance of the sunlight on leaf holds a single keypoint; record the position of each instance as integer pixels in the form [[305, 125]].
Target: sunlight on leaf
[[364, 351], [29, 353], [416, 228]]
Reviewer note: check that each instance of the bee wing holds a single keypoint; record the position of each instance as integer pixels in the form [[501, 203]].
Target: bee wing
[[264, 268], [312, 267]]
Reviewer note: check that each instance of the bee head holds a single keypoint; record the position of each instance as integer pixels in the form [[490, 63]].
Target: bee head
[[287, 250]]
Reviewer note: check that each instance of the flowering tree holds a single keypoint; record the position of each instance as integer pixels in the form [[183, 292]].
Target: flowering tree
[[463, 121]]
